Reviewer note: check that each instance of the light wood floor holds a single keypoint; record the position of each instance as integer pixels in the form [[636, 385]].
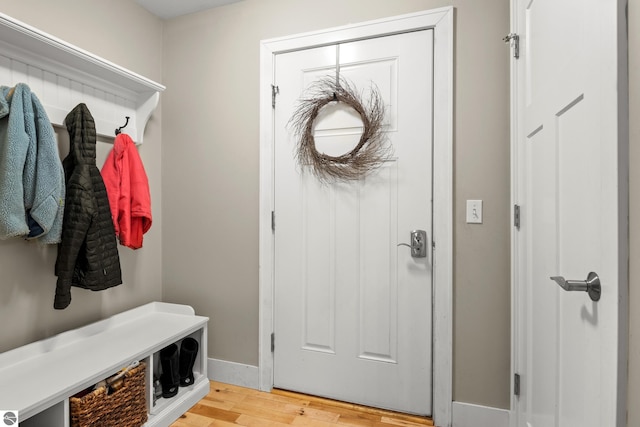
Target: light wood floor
[[229, 405]]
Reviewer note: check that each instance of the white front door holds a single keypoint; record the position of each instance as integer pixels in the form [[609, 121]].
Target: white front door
[[353, 310], [570, 184]]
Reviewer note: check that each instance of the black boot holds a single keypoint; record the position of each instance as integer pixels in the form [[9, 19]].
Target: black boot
[[170, 377], [188, 352]]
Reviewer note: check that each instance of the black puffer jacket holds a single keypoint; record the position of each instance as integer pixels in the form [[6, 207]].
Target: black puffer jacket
[[88, 254]]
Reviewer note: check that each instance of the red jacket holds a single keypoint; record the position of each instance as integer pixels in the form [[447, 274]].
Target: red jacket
[[128, 192]]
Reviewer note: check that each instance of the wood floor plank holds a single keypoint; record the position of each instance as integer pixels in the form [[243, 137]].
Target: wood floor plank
[[227, 394], [399, 422], [275, 405], [321, 402], [347, 412], [290, 407], [324, 402], [214, 413], [264, 412], [251, 421], [217, 403], [191, 419], [228, 405], [317, 414], [306, 421], [352, 417]]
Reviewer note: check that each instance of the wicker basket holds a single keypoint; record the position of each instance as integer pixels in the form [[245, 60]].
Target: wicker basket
[[124, 407]]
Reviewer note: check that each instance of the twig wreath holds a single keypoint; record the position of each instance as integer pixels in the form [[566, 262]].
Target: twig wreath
[[372, 148]]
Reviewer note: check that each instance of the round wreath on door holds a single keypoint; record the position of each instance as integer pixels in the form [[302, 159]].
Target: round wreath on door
[[372, 149]]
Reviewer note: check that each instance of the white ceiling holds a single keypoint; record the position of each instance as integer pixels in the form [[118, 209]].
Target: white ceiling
[[167, 9]]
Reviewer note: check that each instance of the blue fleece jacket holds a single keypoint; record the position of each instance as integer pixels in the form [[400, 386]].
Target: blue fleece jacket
[[32, 186]]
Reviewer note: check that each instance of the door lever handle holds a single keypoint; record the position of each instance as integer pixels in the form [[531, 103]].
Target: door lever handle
[[591, 285], [418, 244]]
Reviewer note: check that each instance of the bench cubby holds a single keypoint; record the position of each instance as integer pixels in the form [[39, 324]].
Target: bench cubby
[[38, 379]]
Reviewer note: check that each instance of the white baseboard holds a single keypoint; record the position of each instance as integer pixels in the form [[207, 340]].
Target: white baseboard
[[233, 373], [468, 415]]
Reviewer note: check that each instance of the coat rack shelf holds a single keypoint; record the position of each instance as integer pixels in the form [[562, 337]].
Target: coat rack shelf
[[63, 75]]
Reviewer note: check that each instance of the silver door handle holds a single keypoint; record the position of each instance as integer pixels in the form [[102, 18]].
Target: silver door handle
[[591, 285], [418, 244]]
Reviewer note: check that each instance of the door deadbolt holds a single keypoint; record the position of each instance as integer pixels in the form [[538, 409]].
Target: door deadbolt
[[418, 239]]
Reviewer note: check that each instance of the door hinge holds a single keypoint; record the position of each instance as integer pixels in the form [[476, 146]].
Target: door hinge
[[273, 342], [514, 40], [516, 384], [274, 91], [516, 216], [273, 221]]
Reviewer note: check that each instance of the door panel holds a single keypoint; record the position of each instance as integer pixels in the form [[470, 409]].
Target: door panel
[[352, 308], [567, 182], [378, 284]]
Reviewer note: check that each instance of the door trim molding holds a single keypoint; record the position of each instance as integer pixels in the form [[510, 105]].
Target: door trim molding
[[441, 22]]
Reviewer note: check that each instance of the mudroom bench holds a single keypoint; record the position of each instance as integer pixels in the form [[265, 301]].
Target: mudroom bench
[[38, 379]]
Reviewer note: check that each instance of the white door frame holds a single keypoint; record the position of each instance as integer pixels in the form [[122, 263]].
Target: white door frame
[[441, 21]]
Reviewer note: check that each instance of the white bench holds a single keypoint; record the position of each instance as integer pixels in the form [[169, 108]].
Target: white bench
[[37, 379]]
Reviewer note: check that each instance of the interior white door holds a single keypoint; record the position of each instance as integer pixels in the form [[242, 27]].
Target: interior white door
[[352, 308], [569, 182]]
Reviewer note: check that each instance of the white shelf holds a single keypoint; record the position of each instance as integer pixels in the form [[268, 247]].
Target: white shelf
[[172, 409], [44, 374], [63, 75]]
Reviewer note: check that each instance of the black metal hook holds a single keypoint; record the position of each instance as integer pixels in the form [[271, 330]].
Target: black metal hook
[[123, 126]]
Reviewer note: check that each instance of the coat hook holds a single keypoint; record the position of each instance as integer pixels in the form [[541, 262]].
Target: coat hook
[[123, 126]]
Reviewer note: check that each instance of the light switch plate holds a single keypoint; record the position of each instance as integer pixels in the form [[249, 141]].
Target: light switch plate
[[474, 211]]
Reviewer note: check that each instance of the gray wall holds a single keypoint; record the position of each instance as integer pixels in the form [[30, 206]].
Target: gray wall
[[123, 33], [210, 171]]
